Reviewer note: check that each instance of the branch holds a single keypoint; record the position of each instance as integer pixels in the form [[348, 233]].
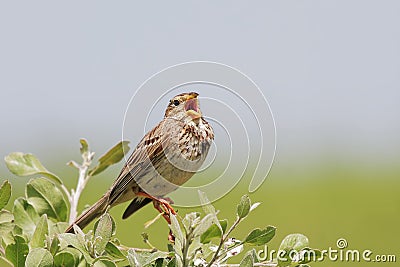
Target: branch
[[82, 181], [223, 240]]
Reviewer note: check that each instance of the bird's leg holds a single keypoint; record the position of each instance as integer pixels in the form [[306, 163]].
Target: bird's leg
[[161, 204]]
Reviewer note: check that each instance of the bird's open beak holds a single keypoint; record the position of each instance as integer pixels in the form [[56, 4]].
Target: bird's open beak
[[192, 108]]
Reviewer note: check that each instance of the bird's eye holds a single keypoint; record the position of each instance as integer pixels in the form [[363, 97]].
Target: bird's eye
[[176, 102]]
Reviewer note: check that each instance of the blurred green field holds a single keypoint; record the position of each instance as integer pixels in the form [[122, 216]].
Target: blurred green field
[[360, 203]]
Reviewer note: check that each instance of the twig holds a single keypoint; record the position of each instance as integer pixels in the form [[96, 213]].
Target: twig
[[125, 248], [223, 239], [82, 181], [66, 192]]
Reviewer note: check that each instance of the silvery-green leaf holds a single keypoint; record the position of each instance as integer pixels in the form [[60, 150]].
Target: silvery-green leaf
[[254, 206], [25, 216], [47, 199], [114, 155], [68, 239], [259, 237], [154, 256], [176, 228], [17, 251], [84, 147], [247, 261], [292, 242], [27, 164], [113, 251], [58, 227], [5, 194], [39, 257], [214, 232], [194, 246], [104, 263], [135, 259], [102, 233], [204, 225], [208, 208], [67, 257], [6, 223], [39, 235], [243, 208], [191, 220], [54, 245]]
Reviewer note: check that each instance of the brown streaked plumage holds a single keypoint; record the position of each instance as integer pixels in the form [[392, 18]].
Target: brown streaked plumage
[[166, 157]]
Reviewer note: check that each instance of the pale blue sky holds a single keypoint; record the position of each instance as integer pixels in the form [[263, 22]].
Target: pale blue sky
[[329, 69]]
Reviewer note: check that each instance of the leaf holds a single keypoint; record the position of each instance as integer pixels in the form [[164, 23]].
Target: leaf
[[194, 246], [84, 147], [176, 229], [102, 233], [67, 257], [191, 220], [25, 216], [208, 208], [204, 225], [47, 199], [58, 228], [154, 256], [294, 241], [68, 239], [39, 257], [6, 222], [254, 206], [291, 242], [243, 208], [114, 155], [54, 245], [39, 236], [135, 259], [5, 194], [8, 238], [247, 261], [259, 237], [104, 263], [17, 252], [214, 232], [113, 251], [27, 164]]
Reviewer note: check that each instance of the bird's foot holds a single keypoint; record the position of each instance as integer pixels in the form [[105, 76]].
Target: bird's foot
[[163, 205]]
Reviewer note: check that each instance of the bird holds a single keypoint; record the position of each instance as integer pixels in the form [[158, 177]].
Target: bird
[[166, 157]]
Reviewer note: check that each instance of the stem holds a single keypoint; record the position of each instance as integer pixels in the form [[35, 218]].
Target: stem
[[186, 249], [125, 248], [231, 248], [66, 192], [82, 181], [223, 240]]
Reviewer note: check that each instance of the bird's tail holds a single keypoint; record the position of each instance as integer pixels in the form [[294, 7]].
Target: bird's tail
[[90, 214]]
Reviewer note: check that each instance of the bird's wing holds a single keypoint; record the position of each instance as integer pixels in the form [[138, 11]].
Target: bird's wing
[[149, 149]]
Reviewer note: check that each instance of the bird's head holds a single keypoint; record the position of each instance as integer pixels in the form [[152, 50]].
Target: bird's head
[[184, 107]]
